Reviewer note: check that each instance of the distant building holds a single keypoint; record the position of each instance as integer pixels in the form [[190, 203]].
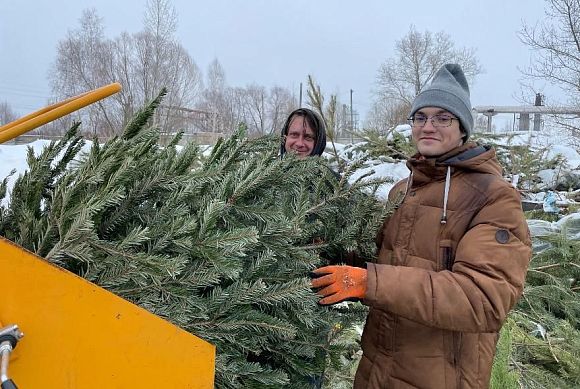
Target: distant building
[[524, 112]]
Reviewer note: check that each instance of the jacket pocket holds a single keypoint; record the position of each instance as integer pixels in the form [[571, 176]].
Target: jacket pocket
[[378, 334]]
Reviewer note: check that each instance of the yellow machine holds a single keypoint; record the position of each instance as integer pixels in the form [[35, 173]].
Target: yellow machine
[[78, 335]]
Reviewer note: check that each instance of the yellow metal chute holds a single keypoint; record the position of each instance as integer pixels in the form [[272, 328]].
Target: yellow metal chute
[[78, 335], [55, 111]]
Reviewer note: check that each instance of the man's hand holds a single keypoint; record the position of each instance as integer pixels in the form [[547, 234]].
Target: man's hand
[[339, 283]]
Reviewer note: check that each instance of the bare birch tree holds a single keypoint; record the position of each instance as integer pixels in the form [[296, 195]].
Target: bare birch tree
[[214, 97], [262, 110], [143, 62], [280, 104], [7, 115], [255, 108], [80, 67], [556, 45], [266, 110], [418, 56]]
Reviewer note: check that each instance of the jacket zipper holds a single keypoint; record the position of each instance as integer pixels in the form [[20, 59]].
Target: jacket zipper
[[456, 349], [447, 260]]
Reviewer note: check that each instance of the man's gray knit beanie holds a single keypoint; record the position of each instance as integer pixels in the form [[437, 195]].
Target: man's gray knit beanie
[[448, 90]]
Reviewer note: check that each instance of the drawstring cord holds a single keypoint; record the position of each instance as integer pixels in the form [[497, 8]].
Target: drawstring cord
[[409, 183], [447, 185], [445, 198]]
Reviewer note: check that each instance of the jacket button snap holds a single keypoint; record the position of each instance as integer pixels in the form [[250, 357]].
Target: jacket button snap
[[502, 236]]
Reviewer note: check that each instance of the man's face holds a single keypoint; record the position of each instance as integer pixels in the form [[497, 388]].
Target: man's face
[[434, 139], [300, 138]]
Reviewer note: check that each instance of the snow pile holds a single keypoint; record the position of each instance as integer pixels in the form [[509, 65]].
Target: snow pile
[[392, 171], [403, 129], [570, 155], [13, 158]]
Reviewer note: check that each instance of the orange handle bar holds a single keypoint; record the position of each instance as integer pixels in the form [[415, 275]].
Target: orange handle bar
[[55, 111]]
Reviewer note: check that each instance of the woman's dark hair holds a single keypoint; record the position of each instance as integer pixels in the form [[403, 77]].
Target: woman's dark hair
[[314, 121]]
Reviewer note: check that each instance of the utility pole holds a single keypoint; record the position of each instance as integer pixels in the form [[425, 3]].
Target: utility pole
[[300, 97], [262, 114], [351, 119], [537, 117]]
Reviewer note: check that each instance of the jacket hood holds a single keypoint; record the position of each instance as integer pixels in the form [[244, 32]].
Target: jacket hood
[[468, 157]]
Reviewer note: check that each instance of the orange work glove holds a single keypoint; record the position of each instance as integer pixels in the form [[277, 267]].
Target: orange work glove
[[339, 283]]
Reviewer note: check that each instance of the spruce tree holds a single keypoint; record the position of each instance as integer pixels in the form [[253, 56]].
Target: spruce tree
[[540, 344], [219, 245]]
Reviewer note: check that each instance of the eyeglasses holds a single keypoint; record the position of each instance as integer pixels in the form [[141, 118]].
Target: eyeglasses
[[437, 121]]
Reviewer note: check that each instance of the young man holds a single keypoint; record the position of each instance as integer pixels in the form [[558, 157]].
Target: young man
[[303, 134], [452, 257]]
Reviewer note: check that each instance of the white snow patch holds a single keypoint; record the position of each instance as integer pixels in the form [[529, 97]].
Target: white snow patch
[[570, 155], [393, 171], [403, 129], [13, 157]]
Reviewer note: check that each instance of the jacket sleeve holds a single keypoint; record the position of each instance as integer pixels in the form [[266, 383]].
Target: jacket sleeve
[[484, 283]]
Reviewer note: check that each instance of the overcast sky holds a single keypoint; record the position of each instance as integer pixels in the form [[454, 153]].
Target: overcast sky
[[279, 42]]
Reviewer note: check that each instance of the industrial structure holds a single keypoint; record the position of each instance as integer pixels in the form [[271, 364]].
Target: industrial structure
[[522, 113]]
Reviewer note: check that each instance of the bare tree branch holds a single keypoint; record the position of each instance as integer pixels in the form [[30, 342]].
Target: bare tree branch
[[418, 56], [144, 63], [556, 45]]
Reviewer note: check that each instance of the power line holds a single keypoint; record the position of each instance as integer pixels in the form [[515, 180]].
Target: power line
[[8, 92], [23, 87]]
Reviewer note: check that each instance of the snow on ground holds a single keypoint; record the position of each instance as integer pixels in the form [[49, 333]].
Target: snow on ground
[[403, 129], [13, 157], [547, 145], [394, 171], [569, 224], [555, 143], [570, 155], [514, 138]]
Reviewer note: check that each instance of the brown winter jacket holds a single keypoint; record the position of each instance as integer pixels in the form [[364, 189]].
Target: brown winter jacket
[[448, 271]]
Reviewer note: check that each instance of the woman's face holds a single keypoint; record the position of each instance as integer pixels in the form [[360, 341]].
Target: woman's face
[[301, 138]]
